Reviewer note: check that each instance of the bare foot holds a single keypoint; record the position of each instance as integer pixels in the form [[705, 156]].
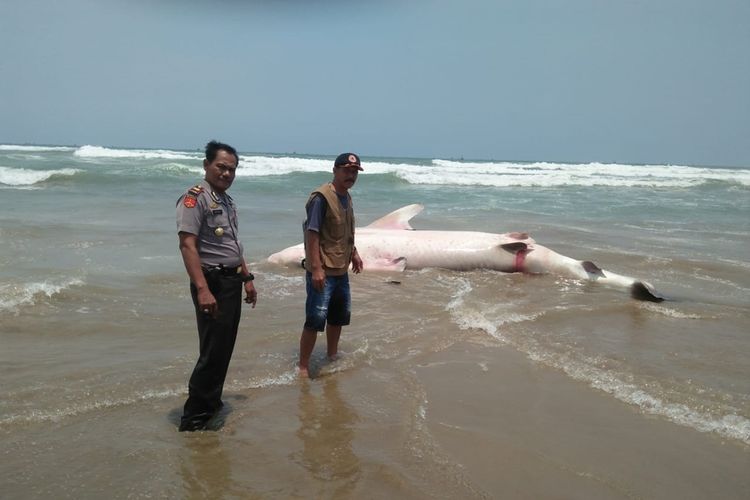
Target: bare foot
[[302, 372], [333, 357]]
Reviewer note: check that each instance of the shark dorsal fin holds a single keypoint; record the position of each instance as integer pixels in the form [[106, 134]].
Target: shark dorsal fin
[[398, 219]]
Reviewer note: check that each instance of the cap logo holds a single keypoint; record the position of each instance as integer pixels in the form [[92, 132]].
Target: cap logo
[[352, 159]]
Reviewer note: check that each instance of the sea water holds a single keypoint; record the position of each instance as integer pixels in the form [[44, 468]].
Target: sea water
[[98, 333]]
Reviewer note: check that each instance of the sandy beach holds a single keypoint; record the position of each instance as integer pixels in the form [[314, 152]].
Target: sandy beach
[[468, 420]]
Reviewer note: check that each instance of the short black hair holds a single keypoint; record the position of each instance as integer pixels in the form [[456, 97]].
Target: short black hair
[[214, 147]]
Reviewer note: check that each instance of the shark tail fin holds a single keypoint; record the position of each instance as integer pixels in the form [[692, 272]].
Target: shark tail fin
[[641, 290]]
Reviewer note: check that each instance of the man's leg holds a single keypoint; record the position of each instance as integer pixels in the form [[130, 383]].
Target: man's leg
[[316, 312], [339, 314], [217, 337], [306, 346], [333, 332]]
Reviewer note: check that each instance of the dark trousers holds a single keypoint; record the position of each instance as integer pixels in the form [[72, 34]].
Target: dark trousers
[[217, 336]]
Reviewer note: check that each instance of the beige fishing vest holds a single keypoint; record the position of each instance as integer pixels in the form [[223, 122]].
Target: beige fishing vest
[[336, 233]]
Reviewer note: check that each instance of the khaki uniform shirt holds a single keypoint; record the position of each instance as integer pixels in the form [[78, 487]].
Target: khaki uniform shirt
[[212, 217]]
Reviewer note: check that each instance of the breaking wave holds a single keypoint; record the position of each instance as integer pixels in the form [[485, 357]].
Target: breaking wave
[[14, 296], [146, 154], [546, 174], [27, 177], [438, 171], [505, 174], [13, 147]]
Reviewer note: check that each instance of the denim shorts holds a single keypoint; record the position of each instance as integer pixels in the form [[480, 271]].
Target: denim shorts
[[333, 304]]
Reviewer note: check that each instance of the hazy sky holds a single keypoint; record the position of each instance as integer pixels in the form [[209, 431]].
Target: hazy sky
[[638, 81]]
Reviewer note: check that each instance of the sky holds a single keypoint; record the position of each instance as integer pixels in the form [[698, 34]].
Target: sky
[[628, 81]]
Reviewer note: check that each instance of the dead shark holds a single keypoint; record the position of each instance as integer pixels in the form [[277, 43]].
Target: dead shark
[[391, 244]]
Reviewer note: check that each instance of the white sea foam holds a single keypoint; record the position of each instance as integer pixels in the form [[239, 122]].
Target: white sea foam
[[462, 173], [147, 154], [279, 285], [668, 311], [14, 296], [506, 174], [180, 168], [545, 174], [252, 166], [14, 147], [470, 316], [26, 177], [263, 382], [729, 425], [58, 414]]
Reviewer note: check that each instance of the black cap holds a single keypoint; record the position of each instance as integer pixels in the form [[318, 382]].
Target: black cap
[[348, 160]]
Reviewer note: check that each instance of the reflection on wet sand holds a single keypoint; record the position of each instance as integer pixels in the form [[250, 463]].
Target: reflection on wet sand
[[205, 467], [326, 431]]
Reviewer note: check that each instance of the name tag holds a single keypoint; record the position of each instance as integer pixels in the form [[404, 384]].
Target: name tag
[[217, 212]]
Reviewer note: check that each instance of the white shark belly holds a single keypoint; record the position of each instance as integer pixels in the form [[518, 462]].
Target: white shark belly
[[460, 250]]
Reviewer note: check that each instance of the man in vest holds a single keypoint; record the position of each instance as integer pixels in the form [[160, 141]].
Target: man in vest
[[329, 249]]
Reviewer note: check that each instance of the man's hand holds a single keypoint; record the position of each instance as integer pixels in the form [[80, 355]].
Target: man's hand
[[357, 264], [207, 302], [318, 278], [251, 295]]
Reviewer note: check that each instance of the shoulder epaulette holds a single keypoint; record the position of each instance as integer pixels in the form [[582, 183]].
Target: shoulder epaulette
[[196, 190]]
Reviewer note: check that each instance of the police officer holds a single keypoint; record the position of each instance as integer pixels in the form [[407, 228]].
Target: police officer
[[213, 257]]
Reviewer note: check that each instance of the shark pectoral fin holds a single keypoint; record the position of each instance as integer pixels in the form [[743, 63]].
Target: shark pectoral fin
[[514, 247], [394, 265], [641, 290], [398, 219], [592, 268]]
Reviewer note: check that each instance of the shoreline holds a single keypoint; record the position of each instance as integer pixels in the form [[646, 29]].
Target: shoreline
[[551, 436]]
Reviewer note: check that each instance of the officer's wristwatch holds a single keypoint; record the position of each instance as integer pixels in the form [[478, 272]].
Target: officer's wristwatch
[[248, 277]]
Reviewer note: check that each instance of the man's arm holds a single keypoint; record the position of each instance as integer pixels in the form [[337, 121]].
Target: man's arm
[[192, 261], [312, 243]]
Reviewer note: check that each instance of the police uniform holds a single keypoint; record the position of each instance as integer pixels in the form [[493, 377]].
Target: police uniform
[[212, 218]]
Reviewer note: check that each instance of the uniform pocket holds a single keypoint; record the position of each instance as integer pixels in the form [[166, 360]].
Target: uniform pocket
[[217, 225], [214, 220]]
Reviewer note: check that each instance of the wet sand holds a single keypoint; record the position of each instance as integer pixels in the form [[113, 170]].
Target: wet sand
[[523, 431], [471, 420]]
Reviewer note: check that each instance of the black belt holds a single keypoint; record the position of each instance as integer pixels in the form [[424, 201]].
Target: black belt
[[222, 270]]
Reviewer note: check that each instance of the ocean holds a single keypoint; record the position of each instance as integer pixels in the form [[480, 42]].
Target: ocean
[[472, 384]]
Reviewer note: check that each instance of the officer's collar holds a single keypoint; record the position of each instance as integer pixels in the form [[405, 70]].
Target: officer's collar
[[217, 197]]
